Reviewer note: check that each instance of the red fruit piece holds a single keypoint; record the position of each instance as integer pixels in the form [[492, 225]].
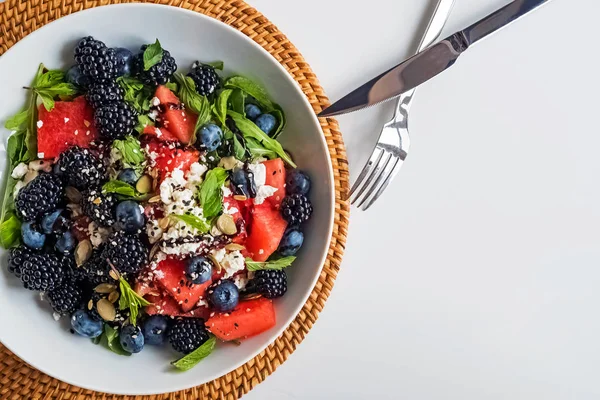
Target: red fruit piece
[[166, 305], [276, 178], [167, 157], [170, 275], [70, 123], [175, 118], [249, 318], [266, 231], [161, 134]]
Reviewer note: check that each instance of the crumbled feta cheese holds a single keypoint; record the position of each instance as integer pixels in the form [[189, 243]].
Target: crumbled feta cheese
[[166, 190], [177, 177], [232, 263], [226, 191], [40, 123], [98, 234], [20, 171], [41, 155], [219, 255], [260, 173], [155, 101], [229, 210], [152, 115], [183, 248], [158, 132], [56, 316], [263, 192], [18, 186], [194, 175], [153, 231], [202, 303], [240, 281]]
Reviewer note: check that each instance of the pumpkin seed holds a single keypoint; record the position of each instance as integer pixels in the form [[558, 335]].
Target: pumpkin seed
[[30, 175], [113, 297], [97, 201], [113, 274], [154, 199], [90, 304], [234, 247], [226, 224], [73, 194], [164, 223], [215, 262], [105, 288], [144, 184], [228, 163], [106, 309], [250, 296], [40, 165], [83, 252], [154, 250], [240, 197]]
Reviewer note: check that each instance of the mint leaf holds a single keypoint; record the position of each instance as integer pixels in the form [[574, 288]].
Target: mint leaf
[[211, 195], [274, 264], [136, 93], [251, 88], [152, 55], [51, 84], [250, 130], [192, 100], [220, 110], [130, 150], [257, 149], [50, 78], [17, 121], [195, 222], [110, 340], [238, 101], [123, 190], [216, 65], [172, 86], [129, 299], [239, 150], [10, 231], [189, 361]]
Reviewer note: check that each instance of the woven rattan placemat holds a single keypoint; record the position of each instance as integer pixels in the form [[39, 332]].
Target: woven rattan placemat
[[20, 381]]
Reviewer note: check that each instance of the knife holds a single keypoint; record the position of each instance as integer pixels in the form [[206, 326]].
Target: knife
[[430, 62]]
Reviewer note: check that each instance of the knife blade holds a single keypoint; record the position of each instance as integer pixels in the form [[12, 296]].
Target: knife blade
[[430, 62]]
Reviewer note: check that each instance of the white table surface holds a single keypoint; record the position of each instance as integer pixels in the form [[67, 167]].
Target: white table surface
[[476, 275]]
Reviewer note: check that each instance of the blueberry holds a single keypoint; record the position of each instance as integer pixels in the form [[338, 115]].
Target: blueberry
[[198, 269], [85, 325], [130, 216], [210, 137], [31, 236], [75, 77], [291, 242], [154, 329], [65, 243], [252, 111], [128, 175], [224, 296], [49, 220], [297, 182], [132, 339], [243, 183], [266, 123], [124, 61]]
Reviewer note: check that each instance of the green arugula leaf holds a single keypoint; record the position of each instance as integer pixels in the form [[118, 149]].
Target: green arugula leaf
[[192, 100], [189, 361], [110, 340], [211, 195], [129, 299], [280, 117], [251, 88], [216, 65], [238, 101], [152, 55], [10, 231], [195, 222], [220, 109], [273, 264], [239, 150], [131, 151], [257, 150], [17, 121], [250, 130]]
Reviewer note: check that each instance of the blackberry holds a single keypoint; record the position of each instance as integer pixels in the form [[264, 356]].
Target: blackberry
[[40, 196], [126, 252], [115, 120], [205, 77], [16, 257], [296, 209], [42, 272], [159, 73], [99, 207], [80, 168], [66, 298], [102, 93], [187, 334], [95, 270], [93, 302], [96, 61], [269, 283]]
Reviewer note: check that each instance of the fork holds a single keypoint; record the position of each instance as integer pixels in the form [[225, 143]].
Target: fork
[[394, 140]]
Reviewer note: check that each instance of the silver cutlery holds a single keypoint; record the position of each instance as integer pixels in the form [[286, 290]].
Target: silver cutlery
[[394, 141], [429, 62]]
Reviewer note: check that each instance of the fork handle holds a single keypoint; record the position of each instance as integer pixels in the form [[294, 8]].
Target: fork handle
[[433, 31]]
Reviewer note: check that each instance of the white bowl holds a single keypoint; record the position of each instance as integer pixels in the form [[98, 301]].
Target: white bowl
[[28, 328]]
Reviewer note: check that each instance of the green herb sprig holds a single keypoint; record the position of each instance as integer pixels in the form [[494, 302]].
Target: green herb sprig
[[191, 360], [278, 264]]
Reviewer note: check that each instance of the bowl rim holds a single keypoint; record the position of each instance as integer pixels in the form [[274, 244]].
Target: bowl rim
[[274, 334]]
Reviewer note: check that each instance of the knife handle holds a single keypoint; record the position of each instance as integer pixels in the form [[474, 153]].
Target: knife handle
[[499, 19]]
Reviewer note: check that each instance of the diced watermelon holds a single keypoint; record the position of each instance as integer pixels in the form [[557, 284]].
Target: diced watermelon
[[276, 178], [70, 123], [266, 231], [170, 275], [167, 159], [249, 318], [161, 134], [179, 121], [162, 305], [230, 203]]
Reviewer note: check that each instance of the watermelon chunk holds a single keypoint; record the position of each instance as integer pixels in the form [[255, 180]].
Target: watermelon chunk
[[70, 123], [249, 318], [166, 159], [179, 121], [170, 275], [266, 231], [276, 178], [161, 134]]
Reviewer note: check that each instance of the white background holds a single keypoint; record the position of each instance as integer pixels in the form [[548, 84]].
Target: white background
[[476, 275]]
